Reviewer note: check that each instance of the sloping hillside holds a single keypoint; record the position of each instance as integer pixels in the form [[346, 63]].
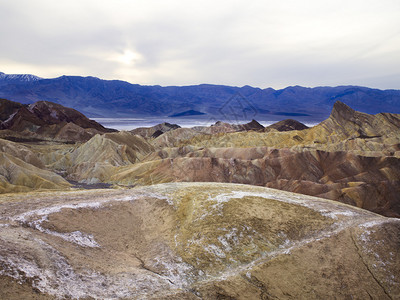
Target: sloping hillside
[[45, 121], [195, 240]]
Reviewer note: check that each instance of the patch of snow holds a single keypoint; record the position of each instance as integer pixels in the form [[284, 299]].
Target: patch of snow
[[372, 223], [54, 114], [215, 250], [169, 201], [224, 243], [335, 214], [54, 209], [175, 271], [232, 235], [76, 237], [19, 77], [336, 210], [10, 117], [59, 279]]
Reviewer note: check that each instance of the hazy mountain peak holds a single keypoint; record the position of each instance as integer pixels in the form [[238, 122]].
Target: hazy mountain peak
[[19, 77]]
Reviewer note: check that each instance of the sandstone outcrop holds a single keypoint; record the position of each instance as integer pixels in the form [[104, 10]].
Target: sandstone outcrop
[[194, 241]]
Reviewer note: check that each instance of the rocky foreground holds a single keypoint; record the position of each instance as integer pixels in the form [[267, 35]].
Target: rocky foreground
[[194, 241]]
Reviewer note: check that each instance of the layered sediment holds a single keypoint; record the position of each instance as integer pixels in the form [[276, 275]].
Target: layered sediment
[[351, 157]]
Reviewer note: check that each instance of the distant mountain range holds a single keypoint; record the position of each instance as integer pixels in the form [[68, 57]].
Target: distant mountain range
[[113, 98]]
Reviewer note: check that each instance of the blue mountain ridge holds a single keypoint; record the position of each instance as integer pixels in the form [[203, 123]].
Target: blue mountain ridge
[[114, 98]]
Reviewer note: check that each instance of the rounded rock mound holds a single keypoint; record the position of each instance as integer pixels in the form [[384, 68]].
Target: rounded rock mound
[[195, 240]]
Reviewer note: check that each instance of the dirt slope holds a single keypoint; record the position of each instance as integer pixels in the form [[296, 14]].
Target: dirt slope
[[195, 241]]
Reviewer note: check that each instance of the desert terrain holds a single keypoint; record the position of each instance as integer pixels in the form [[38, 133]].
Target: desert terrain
[[228, 211]]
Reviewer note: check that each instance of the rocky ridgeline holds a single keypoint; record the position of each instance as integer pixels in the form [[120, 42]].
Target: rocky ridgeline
[[45, 121]]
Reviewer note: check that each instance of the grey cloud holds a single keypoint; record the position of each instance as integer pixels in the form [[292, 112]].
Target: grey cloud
[[229, 42]]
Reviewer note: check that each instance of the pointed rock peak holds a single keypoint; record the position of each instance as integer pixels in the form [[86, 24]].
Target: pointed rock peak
[[342, 111], [220, 123], [287, 125], [339, 105], [169, 125], [255, 123]]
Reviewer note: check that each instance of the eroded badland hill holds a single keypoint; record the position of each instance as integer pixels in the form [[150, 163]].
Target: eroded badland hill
[[195, 241], [351, 157], [180, 224]]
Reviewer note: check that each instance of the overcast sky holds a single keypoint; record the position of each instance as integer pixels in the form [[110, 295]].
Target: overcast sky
[[258, 43]]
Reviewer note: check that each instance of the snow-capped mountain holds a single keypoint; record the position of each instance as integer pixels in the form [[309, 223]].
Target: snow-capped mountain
[[18, 77]]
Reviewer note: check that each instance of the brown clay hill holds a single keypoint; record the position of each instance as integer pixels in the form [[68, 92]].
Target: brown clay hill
[[155, 131], [23, 119], [287, 125], [252, 125], [22, 171], [367, 182], [95, 160], [194, 241], [21, 152], [345, 129], [48, 121], [222, 127], [19, 176], [173, 137], [168, 135], [182, 135], [7, 108]]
